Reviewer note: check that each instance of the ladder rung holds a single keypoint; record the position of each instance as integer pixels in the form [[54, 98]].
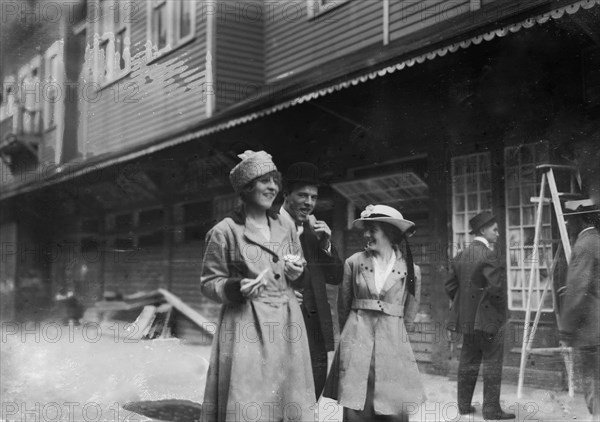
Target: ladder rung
[[556, 167], [542, 350]]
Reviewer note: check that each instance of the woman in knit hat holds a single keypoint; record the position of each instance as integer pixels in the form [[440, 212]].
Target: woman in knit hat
[[374, 375], [260, 365]]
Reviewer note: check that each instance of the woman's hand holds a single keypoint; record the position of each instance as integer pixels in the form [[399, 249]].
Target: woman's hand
[[293, 269], [251, 288]]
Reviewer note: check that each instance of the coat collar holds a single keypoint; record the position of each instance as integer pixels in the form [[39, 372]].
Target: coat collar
[[279, 236], [367, 271]]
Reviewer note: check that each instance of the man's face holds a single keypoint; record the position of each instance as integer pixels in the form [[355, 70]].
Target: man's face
[[301, 202], [491, 233]]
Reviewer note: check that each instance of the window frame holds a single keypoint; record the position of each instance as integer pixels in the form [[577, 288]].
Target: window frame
[[25, 75], [467, 213], [53, 74], [105, 34], [316, 8], [518, 253], [173, 23]]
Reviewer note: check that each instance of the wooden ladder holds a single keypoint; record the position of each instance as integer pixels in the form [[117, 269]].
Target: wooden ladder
[[529, 330]]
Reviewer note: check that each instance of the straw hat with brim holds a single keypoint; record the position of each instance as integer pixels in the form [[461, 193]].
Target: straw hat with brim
[[585, 206], [481, 220], [384, 214]]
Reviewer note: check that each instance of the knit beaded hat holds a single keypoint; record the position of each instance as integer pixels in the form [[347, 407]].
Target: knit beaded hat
[[253, 165]]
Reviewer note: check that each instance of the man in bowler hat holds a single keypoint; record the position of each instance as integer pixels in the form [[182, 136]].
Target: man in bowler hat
[[477, 288], [300, 193], [580, 313]]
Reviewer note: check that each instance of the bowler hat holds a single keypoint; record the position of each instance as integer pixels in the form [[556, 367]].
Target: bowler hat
[[302, 172], [481, 220]]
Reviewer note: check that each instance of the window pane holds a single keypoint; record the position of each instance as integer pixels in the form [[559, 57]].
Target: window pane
[[516, 279], [459, 203], [473, 203], [513, 196], [514, 237], [159, 23], [528, 235], [459, 223], [514, 217], [517, 299], [486, 201], [528, 216], [185, 18], [459, 184]]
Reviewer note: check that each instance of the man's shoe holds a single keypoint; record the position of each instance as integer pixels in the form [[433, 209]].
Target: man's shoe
[[499, 415], [466, 410]]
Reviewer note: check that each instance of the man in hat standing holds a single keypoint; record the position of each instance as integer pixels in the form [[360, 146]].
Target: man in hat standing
[[477, 288], [300, 192], [580, 311]]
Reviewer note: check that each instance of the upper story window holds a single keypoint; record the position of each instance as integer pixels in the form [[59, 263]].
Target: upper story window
[[318, 7], [171, 23], [29, 96], [53, 90], [112, 40]]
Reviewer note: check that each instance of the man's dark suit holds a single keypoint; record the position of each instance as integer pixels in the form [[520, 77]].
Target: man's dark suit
[[477, 287], [321, 268]]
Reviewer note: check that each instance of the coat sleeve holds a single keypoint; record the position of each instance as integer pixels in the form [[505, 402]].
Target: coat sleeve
[[332, 266], [217, 281], [579, 280], [451, 284], [411, 307], [296, 248], [495, 276], [345, 294]]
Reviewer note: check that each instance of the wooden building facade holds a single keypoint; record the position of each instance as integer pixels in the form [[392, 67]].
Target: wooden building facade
[[440, 108]]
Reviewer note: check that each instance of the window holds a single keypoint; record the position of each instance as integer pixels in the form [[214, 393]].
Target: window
[[318, 7], [112, 42], [471, 194], [171, 24], [522, 183]]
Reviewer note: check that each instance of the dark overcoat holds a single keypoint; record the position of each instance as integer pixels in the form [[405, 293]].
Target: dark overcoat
[[477, 287], [260, 366], [374, 327], [580, 314], [322, 268]]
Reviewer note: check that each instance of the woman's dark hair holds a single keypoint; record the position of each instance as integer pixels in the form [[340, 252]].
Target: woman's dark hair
[[395, 236], [275, 175], [393, 233]]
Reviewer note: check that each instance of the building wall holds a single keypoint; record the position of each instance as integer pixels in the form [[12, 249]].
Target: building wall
[[158, 98], [294, 42]]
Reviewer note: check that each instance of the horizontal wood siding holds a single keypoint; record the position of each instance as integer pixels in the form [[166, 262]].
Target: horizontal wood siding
[[410, 16], [155, 100], [131, 272], [294, 43], [239, 59]]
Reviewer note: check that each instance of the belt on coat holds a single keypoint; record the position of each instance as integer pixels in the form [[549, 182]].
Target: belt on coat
[[387, 308]]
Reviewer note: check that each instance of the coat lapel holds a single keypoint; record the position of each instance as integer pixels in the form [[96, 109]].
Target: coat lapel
[[275, 243], [396, 276], [367, 272]]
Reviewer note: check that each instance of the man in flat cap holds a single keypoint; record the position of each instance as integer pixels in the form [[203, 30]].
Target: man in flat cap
[[580, 311], [300, 192], [477, 288]]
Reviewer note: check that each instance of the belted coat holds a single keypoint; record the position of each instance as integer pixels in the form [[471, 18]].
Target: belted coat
[[374, 331], [260, 366]]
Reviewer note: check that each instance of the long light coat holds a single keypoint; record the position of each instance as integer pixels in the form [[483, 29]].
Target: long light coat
[[374, 323], [260, 365]]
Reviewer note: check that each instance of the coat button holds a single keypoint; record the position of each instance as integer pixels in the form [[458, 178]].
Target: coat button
[[275, 259], [277, 276]]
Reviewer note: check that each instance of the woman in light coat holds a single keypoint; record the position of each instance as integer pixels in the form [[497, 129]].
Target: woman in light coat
[[260, 366], [374, 374]]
